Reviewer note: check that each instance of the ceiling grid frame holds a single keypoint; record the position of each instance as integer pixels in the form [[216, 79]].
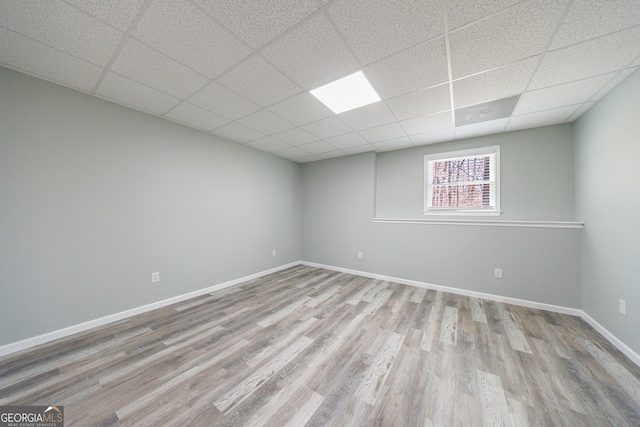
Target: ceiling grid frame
[[40, 49]]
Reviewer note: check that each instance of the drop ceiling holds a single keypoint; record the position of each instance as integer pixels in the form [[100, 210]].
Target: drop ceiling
[[242, 69]]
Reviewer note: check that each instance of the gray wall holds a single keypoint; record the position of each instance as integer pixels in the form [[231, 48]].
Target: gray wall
[[608, 200], [94, 197], [539, 264], [536, 171]]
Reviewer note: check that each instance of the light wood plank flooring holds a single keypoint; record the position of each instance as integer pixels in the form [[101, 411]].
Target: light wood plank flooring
[[307, 346]]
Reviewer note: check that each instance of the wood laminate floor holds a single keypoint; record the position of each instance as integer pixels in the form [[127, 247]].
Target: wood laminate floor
[[312, 347]]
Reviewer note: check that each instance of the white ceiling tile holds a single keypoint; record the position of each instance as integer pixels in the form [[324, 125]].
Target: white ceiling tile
[[238, 132], [268, 144], [542, 118], [328, 128], [597, 56], [145, 65], [483, 128], [266, 122], [587, 19], [258, 81], [331, 154], [257, 22], [380, 133], [562, 95], [420, 66], [223, 101], [317, 147], [346, 141], [23, 54], [292, 153], [301, 109], [195, 116], [359, 149], [375, 29], [615, 81], [495, 46], [368, 116], [423, 102], [62, 26], [119, 13], [428, 123], [295, 136], [312, 54], [581, 110], [515, 33], [183, 32], [498, 83], [125, 91], [462, 12], [434, 137], [307, 159], [394, 144]]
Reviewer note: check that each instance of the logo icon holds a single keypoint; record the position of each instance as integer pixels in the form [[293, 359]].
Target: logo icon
[[32, 416]]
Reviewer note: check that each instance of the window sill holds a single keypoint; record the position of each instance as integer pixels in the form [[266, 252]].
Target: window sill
[[462, 213], [482, 223]]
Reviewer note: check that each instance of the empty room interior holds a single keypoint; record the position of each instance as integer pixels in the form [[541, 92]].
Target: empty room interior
[[193, 233]]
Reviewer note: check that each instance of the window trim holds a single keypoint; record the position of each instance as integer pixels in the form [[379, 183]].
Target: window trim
[[494, 149]]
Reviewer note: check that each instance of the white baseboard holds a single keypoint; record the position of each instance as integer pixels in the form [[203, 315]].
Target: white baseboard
[[65, 332], [635, 357], [491, 297]]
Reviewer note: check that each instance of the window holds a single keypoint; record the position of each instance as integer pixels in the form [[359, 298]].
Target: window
[[463, 182]]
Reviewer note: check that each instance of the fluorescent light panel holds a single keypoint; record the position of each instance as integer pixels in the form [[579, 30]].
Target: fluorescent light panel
[[347, 93]]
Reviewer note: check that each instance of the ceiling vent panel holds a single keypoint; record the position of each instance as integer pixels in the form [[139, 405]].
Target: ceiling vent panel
[[487, 111]]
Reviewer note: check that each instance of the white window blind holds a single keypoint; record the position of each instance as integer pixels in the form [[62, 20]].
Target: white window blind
[[464, 181]]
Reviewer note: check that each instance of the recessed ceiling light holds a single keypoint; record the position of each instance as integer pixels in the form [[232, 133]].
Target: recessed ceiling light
[[347, 93]]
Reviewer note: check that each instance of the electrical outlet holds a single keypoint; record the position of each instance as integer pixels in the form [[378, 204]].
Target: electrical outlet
[[623, 307], [360, 255], [155, 277], [273, 252], [497, 273]]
